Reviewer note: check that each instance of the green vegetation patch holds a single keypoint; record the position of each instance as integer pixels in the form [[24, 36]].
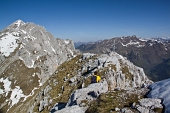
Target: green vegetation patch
[[125, 70], [113, 67], [109, 101]]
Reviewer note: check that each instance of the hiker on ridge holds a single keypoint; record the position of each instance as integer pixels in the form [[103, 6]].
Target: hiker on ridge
[[95, 78]]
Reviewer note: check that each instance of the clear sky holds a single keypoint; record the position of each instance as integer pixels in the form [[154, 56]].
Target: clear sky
[[91, 20]]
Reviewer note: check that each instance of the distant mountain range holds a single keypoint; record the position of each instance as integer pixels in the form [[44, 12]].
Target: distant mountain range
[[150, 54], [79, 43], [162, 39]]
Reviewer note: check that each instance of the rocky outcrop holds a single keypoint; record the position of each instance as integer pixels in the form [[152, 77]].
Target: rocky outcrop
[[89, 94], [121, 73], [72, 109], [148, 105]]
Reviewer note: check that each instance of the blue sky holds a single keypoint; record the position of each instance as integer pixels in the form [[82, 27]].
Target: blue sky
[[91, 20]]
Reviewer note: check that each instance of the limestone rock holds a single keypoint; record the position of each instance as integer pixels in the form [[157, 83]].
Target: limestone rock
[[72, 109], [148, 105], [126, 110], [142, 109], [151, 102], [43, 104], [90, 93]]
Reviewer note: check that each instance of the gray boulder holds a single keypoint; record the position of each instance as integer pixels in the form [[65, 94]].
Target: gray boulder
[[147, 105], [151, 102], [72, 109], [90, 93]]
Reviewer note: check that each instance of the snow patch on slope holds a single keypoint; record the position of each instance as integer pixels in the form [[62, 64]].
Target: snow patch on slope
[[131, 43], [161, 90], [138, 44], [16, 93], [67, 41], [8, 44], [6, 85]]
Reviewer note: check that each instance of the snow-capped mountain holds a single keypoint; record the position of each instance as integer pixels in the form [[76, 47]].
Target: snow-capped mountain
[[145, 53], [78, 43], [162, 39], [29, 56]]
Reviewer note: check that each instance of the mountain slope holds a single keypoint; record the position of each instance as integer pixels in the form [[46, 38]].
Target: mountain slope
[[143, 53], [73, 77], [29, 56]]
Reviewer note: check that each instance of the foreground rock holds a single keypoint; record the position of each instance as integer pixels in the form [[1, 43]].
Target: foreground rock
[[149, 105], [88, 94], [72, 109], [80, 99]]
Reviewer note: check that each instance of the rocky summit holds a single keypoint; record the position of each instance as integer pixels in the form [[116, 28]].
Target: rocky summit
[[41, 74]]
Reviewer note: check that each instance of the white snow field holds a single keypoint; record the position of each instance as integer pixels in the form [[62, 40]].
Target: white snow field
[[8, 44], [161, 90]]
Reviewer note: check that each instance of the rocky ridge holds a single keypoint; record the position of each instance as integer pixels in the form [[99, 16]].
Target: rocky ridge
[[70, 88], [111, 84]]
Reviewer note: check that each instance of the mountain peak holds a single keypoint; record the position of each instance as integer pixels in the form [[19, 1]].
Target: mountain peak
[[16, 24], [19, 22]]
